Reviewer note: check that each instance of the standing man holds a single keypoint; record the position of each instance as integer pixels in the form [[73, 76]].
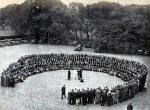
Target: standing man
[[69, 75], [63, 92], [69, 97], [130, 106], [81, 73], [78, 74]]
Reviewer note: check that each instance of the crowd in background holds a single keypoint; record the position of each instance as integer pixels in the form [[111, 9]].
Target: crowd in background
[[10, 42], [133, 73]]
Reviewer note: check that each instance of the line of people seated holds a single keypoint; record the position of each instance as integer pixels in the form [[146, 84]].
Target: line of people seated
[[128, 71]]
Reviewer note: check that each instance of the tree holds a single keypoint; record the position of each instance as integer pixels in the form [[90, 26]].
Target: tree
[[87, 27]]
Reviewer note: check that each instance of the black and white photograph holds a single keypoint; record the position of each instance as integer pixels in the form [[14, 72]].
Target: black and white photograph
[[74, 54]]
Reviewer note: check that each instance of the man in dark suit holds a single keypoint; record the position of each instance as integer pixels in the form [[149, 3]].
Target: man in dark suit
[[63, 92], [70, 97], [69, 75], [130, 106], [79, 74]]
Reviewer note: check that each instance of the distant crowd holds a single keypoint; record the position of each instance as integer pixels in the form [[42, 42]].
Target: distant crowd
[[133, 73], [10, 42]]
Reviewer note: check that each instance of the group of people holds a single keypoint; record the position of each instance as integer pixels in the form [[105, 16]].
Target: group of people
[[79, 74], [133, 73], [103, 96], [10, 42]]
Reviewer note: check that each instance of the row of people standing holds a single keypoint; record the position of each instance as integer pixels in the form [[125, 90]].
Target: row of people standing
[[81, 96], [7, 80], [101, 96]]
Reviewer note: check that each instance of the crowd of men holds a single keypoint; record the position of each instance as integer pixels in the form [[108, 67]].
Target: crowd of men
[[133, 73], [10, 42], [103, 96]]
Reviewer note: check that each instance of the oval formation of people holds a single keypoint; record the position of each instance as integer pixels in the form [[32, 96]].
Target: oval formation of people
[[132, 73], [74, 55]]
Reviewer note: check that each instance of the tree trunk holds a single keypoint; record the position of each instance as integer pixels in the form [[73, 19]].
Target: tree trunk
[[3, 27], [88, 37], [87, 33], [76, 34], [81, 35], [46, 39]]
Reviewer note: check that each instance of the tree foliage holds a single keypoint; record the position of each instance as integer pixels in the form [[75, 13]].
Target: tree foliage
[[110, 26]]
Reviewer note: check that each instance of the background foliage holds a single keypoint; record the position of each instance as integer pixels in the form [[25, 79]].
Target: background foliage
[[104, 26]]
